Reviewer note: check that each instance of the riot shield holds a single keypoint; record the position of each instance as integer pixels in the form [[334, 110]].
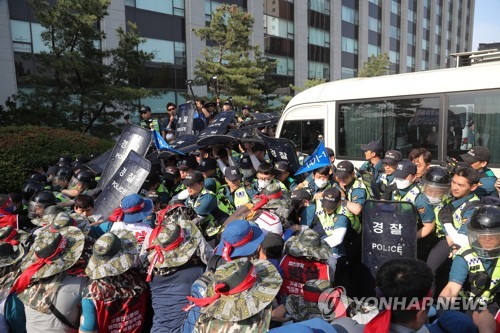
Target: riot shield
[[98, 164], [132, 138], [281, 149], [185, 116], [211, 140], [219, 125], [261, 120], [185, 144], [127, 179], [389, 232]]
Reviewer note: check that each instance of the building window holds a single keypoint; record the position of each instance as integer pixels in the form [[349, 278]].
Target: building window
[[412, 17], [438, 29], [27, 37], [394, 32], [426, 23], [394, 57], [318, 70], [410, 62], [284, 65], [349, 15], [373, 50], [425, 65], [348, 73], [395, 7], [172, 7], [410, 39], [376, 2], [374, 24], [278, 27], [163, 50], [425, 44], [349, 45], [319, 37], [321, 6]]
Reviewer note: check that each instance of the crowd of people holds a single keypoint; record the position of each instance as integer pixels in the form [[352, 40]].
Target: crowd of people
[[224, 240]]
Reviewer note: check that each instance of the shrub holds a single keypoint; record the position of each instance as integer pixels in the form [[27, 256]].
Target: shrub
[[25, 148]]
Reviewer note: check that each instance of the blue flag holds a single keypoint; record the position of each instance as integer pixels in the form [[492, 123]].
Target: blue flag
[[319, 158], [161, 144]]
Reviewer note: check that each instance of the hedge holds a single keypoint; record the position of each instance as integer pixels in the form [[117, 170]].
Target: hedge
[[24, 148]]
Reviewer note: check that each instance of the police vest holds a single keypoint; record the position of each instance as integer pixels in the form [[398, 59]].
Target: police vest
[[355, 222], [239, 197], [122, 314], [139, 230], [457, 215], [296, 271], [154, 122], [328, 221], [410, 196], [478, 274]]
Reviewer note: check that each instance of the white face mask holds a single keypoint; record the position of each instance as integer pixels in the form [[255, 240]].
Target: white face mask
[[247, 173], [401, 184], [169, 136], [263, 183], [433, 200], [320, 183]]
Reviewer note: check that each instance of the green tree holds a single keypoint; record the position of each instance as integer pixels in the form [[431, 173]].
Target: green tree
[[241, 69], [77, 84], [375, 66]]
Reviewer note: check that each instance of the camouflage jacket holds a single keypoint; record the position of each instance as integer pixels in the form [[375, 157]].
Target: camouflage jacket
[[8, 275], [257, 323], [127, 285], [41, 293]]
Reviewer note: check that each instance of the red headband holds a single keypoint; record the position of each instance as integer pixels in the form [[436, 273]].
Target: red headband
[[247, 283], [118, 213], [10, 238], [311, 296], [228, 247], [264, 199], [158, 256], [24, 279]]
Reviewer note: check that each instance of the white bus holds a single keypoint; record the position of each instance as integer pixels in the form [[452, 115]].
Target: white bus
[[446, 111]]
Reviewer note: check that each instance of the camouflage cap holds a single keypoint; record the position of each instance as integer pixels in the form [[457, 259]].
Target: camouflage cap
[[10, 254], [113, 254], [308, 244], [168, 234], [49, 214], [302, 307], [63, 220], [9, 235], [249, 302], [46, 243]]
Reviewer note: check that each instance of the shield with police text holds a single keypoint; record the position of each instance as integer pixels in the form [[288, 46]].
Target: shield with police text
[[133, 138], [389, 232], [280, 149], [98, 164], [219, 125], [185, 116], [127, 180]]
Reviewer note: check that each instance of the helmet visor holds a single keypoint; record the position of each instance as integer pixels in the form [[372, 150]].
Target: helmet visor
[[435, 192], [72, 183], [35, 210], [486, 243]]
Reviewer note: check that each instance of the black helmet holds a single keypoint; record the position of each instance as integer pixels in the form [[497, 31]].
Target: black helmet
[[64, 172], [29, 189], [437, 175], [84, 177], [65, 160], [485, 221], [42, 198], [39, 177]]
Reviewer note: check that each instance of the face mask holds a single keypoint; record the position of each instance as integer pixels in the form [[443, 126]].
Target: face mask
[[433, 200], [401, 184], [247, 173], [170, 136], [263, 183], [320, 183]]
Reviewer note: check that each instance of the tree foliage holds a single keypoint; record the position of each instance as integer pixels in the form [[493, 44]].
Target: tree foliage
[[240, 67], [307, 84], [77, 83], [375, 66]]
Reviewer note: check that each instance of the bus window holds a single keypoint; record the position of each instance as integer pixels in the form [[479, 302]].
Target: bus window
[[305, 134], [401, 124], [479, 113]]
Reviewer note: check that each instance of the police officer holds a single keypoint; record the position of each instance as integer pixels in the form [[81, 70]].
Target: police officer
[[233, 192], [475, 273], [208, 167], [205, 204], [247, 170], [39, 202], [147, 121], [373, 152], [283, 175], [390, 162], [79, 184], [478, 158]]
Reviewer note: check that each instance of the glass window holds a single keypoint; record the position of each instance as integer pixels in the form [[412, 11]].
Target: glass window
[[284, 65], [479, 120], [304, 133], [373, 50], [20, 31], [318, 70], [319, 37], [38, 45], [395, 7], [425, 65], [278, 27], [394, 57], [376, 2], [180, 53], [425, 44], [163, 50], [438, 29], [410, 39], [321, 6], [438, 9], [411, 16], [349, 15], [348, 73], [156, 6], [426, 23], [374, 24], [401, 124], [410, 61], [349, 45], [394, 32]]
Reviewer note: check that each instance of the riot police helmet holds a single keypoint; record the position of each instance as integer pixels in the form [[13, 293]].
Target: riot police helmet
[[42, 199], [64, 172], [84, 177], [30, 187], [437, 182], [483, 231]]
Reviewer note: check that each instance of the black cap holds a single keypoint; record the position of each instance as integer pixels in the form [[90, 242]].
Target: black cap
[[299, 195], [153, 196], [392, 157], [272, 245], [330, 152], [331, 198], [478, 153], [246, 162], [207, 164], [193, 177], [281, 166], [210, 104], [187, 162], [246, 107], [374, 146], [344, 169], [145, 109], [404, 169], [232, 173]]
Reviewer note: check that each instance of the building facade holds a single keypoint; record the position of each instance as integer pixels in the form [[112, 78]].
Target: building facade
[[313, 39]]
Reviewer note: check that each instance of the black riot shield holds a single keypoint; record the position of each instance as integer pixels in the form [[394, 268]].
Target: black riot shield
[[127, 180], [132, 138], [98, 164], [219, 125], [280, 149], [185, 116], [185, 144], [389, 232]]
